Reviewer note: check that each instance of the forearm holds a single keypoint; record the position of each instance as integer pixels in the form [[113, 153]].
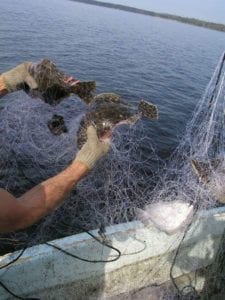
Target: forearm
[[42, 199], [45, 197]]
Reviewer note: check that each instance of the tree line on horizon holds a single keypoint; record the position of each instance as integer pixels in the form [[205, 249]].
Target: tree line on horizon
[[192, 21]]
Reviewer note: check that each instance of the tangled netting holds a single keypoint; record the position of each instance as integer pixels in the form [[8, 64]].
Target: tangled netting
[[131, 176], [30, 153], [203, 142]]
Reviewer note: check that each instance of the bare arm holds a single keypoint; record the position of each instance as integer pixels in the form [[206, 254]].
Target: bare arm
[[18, 213], [22, 212]]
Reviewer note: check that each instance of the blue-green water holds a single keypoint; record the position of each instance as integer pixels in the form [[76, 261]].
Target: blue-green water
[[138, 56]]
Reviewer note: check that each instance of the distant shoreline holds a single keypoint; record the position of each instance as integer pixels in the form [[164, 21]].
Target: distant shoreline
[[191, 21]]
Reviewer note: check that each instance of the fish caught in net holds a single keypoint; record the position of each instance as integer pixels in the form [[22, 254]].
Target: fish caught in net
[[53, 84], [128, 183], [40, 140]]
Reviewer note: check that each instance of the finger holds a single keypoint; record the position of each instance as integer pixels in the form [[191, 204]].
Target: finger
[[31, 82], [74, 82], [32, 68], [92, 135], [68, 79], [71, 81], [106, 146]]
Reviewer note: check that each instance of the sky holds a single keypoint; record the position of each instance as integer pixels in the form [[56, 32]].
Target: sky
[[210, 10]]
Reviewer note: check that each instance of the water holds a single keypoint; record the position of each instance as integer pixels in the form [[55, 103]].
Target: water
[[138, 56]]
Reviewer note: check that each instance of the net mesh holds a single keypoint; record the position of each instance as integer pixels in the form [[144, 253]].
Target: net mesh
[[203, 142], [30, 153], [126, 179]]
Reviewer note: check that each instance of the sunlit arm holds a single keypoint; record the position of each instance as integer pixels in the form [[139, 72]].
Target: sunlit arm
[[19, 213]]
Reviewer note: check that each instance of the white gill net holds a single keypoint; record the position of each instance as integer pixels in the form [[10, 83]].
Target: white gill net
[[126, 179], [204, 143], [30, 153]]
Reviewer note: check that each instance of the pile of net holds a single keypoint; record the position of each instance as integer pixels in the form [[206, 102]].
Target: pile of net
[[195, 175], [130, 177], [195, 172], [31, 153]]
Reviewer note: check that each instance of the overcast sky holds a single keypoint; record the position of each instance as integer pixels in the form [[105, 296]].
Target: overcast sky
[[211, 10]]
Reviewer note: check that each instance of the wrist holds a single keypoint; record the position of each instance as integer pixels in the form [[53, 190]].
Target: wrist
[[79, 169], [87, 159]]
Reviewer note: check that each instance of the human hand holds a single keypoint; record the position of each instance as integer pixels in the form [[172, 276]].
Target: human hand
[[53, 84], [19, 77], [93, 149], [71, 81]]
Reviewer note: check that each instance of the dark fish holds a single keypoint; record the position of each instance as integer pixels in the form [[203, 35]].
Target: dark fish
[[57, 125], [108, 110], [105, 111], [53, 86]]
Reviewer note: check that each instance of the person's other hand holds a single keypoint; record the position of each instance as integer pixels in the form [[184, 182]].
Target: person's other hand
[[93, 149], [19, 77]]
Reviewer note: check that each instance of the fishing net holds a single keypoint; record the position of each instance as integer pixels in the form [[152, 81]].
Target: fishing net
[[194, 175], [31, 153], [202, 143], [128, 180]]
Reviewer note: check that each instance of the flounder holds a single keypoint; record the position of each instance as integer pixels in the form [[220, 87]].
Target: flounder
[[53, 84], [105, 111]]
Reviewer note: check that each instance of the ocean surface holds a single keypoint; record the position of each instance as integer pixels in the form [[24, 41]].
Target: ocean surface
[[165, 62]]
